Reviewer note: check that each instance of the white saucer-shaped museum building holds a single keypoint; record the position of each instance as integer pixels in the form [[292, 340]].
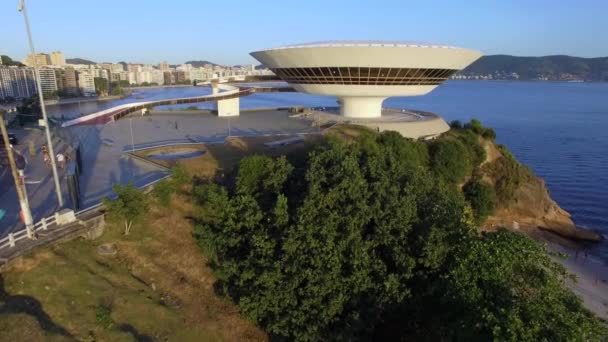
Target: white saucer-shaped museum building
[[363, 74]]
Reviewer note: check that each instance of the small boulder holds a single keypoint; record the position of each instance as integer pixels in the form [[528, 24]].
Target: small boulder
[[106, 249]]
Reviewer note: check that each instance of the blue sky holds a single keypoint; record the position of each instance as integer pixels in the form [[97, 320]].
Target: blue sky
[[226, 31]]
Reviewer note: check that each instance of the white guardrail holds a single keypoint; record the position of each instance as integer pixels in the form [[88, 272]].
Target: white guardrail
[[43, 225], [11, 239]]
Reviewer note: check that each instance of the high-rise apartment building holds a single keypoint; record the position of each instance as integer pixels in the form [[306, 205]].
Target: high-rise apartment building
[[169, 77], [48, 80], [163, 66], [57, 58], [70, 82], [86, 82], [17, 82], [41, 59], [157, 76], [59, 78], [182, 76]]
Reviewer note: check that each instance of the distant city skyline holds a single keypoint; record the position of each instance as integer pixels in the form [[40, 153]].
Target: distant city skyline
[[183, 30]]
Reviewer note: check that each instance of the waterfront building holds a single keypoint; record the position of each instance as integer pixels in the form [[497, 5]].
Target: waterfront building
[[57, 58], [59, 78], [134, 67], [163, 66], [48, 80], [157, 76], [362, 74], [118, 67], [132, 77], [182, 76], [70, 82], [169, 78], [42, 59], [199, 74], [86, 82], [17, 82]]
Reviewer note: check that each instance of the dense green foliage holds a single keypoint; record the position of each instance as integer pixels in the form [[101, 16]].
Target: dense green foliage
[[7, 61], [163, 191], [456, 124], [482, 198], [373, 240], [168, 186], [551, 67], [450, 160], [101, 86], [476, 127], [117, 87]]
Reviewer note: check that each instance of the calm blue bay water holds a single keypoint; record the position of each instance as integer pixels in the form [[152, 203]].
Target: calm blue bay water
[[558, 129]]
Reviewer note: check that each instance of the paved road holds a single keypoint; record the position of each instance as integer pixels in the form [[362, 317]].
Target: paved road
[[39, 183]]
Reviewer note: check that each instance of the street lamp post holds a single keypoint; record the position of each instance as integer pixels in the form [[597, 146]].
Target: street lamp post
[[47, 129]]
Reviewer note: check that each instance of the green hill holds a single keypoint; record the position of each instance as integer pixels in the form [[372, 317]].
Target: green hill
[[557, 67], [6, 60], [79, 61]]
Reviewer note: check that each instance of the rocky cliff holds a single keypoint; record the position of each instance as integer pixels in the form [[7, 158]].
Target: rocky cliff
[[523, 199]]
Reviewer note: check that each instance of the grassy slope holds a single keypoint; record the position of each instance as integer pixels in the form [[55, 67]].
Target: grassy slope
[[158, 285]]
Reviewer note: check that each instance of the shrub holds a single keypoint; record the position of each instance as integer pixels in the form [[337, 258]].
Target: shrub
[[450, 160], [476, 152], [475, 126], [130, 205], [489, 133], [482, 198], [163, 190], [456, 124], [180, 177], [103, 315]]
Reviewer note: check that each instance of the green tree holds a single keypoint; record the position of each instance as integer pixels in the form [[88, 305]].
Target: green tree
[[370, 238], [101, 86], [6, 60], [450, 160], [163, 191], [456, 124], [130, 205], [489, 133], [475, 126], [482, 198], [504, 286]]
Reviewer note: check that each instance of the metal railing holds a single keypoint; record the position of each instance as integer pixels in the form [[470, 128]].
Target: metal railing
[[11, 239]]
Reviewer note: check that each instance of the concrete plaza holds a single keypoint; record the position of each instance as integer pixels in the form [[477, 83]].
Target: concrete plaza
[[104, 160]]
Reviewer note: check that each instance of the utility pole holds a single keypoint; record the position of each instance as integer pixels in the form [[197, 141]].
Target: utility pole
[[19, 183], [47, 129]]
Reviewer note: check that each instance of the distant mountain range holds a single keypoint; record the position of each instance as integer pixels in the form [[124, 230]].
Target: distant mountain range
[[198, 64], [557, 67], [79, 61]]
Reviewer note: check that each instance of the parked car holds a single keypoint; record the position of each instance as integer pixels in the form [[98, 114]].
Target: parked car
[[11, 138]]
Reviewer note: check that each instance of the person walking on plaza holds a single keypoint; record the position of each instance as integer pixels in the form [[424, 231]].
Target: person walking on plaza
[[45, 156], [60, 160]]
